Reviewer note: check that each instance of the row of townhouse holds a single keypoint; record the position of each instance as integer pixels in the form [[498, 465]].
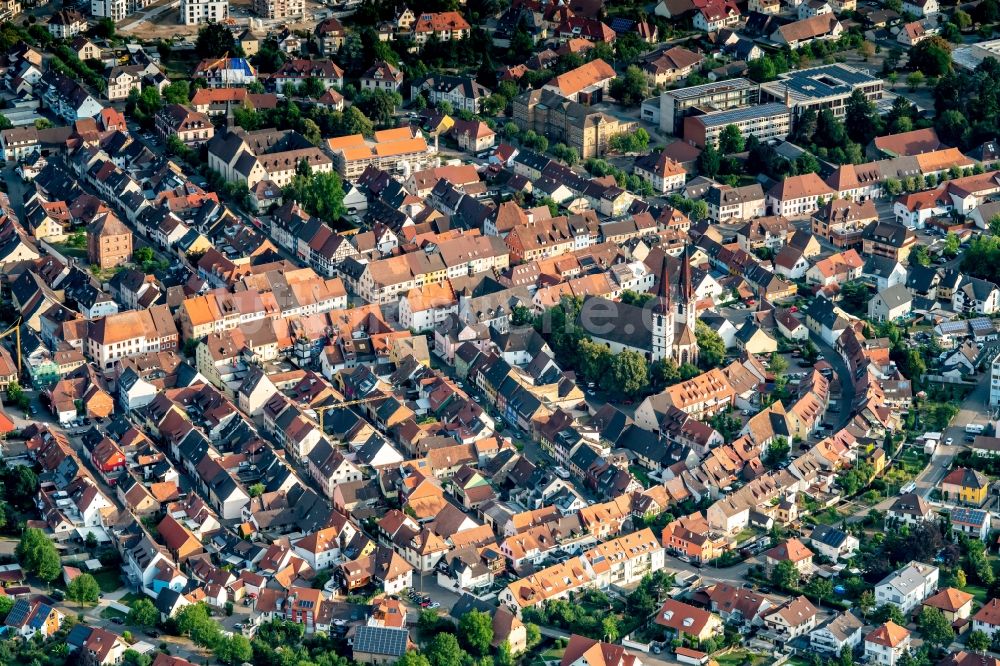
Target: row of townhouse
[[622, 561]]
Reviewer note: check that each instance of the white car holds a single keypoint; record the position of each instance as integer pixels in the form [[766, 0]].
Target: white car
[[561, 472], [948, 441]]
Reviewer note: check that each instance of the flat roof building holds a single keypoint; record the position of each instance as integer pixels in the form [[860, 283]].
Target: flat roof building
[[824, 87], [718, 96], [764, 121]]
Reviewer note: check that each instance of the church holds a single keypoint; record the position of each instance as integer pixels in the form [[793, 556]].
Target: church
[[664, 328]]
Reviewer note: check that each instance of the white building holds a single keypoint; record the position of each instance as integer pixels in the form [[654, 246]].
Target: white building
[[887, 644], [907, 587], [194, 12], [844, 630], [116, 10]]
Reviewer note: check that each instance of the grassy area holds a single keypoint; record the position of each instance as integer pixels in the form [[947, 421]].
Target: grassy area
[[67, 251], [642, 474], [108, 613], [978, 592], [553, 654], [109, 579], [131, 598], [739, 657]]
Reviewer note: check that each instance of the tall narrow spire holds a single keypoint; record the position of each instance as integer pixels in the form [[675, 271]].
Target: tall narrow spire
[[687, 281], [663, 288]]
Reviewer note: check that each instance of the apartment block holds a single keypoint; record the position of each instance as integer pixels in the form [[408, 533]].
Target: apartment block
[[675, 105], [194, 12], [767, 122], [279, 9]]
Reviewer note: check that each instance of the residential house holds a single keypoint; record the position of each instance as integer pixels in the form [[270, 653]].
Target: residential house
[[908, 587], [887, 644]]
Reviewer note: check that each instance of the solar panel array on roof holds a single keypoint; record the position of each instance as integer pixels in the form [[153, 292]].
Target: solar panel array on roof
[[620, 25], [981, 325], [733, 116], [968, 516], [381, 640], [18, 614], [953, 327]]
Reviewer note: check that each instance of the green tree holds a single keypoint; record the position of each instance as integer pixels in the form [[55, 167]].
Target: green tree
[[178, 92], [951, 245], [914, 80], [533, 636], [664, 372], [935, 627], [476, 630], [320, 194], [920, 256], [214, 41], [887, 612], [629, 374], [443, 650], [83, 589], [142, 613], [413, 658], [962, 19], [630, 88], [709, 161], [505, 656], [777, 365], [256, 490], [699, 211], [143, 255], [931, 56], [821, 588], [731, 140], [977, 641], [785, 575], [6, 603], [866, 602], [353, 121], [630, 142], [379, 105], [862, 120], [568, 155], [777, 452], [609, 628], [38, 555], [234, 649], [132, 658]]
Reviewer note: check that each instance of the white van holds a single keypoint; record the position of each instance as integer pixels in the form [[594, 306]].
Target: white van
[[975, 428]]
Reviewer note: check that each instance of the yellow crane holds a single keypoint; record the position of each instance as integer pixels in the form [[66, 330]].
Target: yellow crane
[[16, 330], [322, 409]]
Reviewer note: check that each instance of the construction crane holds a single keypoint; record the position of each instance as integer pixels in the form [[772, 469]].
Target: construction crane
[[16, 330], [337, 405]]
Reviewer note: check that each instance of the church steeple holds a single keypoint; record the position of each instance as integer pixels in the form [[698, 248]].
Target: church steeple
[[686, 290], [663, 288]]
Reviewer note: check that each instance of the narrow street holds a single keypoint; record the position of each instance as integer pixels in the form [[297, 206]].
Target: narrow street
[[843, 376]]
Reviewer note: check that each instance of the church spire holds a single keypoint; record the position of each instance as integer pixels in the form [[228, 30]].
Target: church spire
[[687, 281], [663, 288]]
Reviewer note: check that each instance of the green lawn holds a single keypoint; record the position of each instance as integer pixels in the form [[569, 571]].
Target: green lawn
[[553, 654], [67, 251], [738, 657], [978, 592], [109, 579], [108, 612], [131, 598]]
